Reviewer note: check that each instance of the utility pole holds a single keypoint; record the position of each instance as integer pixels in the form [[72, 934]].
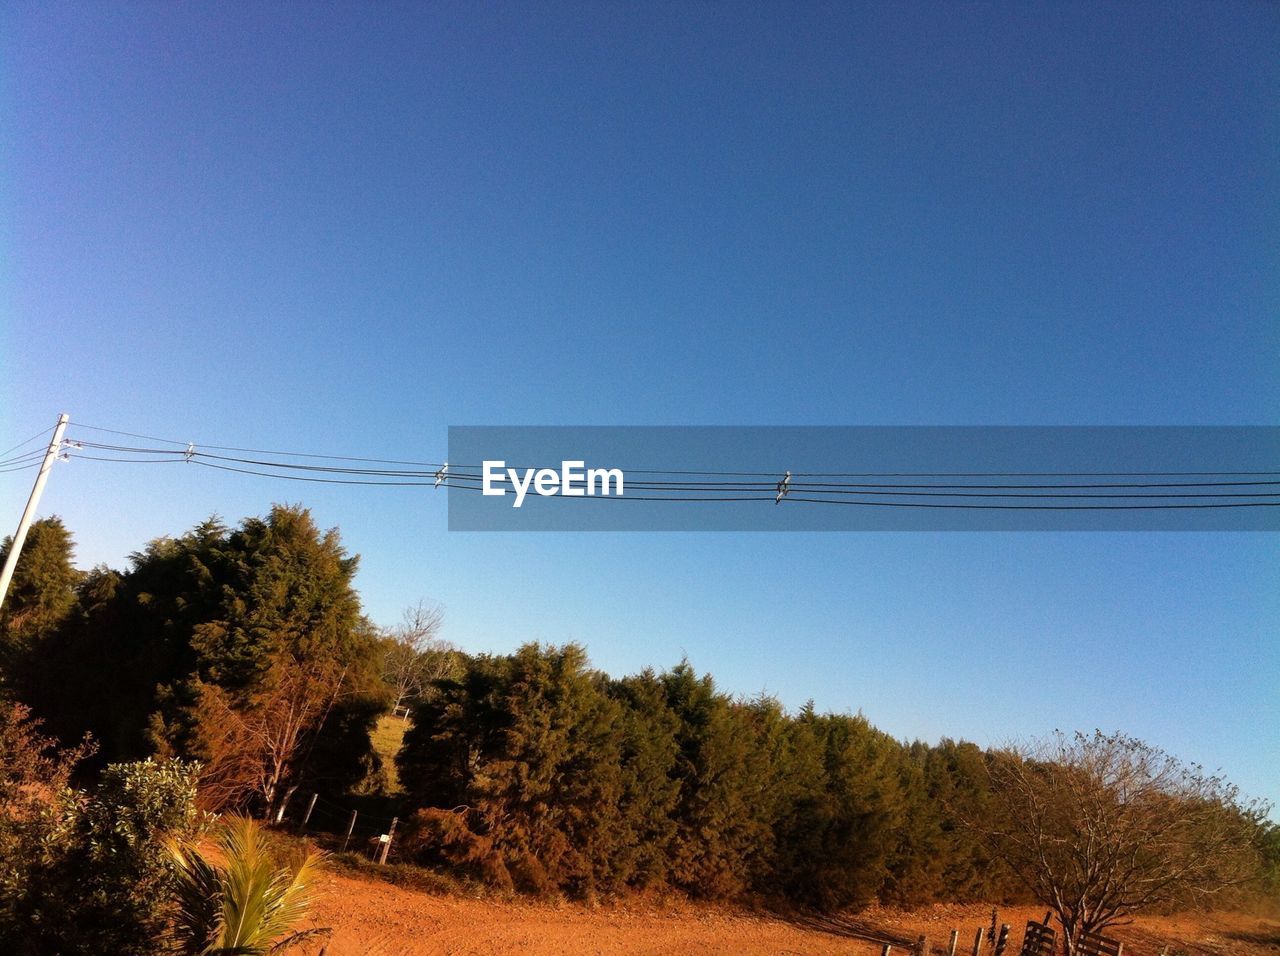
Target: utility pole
[[20, 536]]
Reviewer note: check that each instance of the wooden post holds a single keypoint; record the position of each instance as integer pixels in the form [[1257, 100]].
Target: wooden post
[[386, 846], [284, 803], [1003, 939], [977, 943], [951, 944], [350, 827], [922, 946], [310, 806], [887, 950]]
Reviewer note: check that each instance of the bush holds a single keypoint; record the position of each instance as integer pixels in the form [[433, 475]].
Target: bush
[[247, 905], [89, 873]]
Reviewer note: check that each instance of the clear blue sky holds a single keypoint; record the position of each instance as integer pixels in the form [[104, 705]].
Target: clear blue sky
[[342, 228]]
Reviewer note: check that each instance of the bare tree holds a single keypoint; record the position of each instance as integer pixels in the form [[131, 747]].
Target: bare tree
[[255, 750], [1101, 827], [415, 656]]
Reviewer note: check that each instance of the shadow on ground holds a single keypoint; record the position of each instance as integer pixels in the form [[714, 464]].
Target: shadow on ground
[[850, 927]]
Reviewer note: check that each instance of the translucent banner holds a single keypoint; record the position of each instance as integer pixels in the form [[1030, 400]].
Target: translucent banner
[[863, 478]]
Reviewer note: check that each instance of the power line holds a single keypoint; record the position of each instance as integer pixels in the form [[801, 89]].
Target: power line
[[264, 451], [813, 487], [677, 485], [28, 441], [113, 431], [27, 467], [835, 496], [128, 461], [23, 459], [772, 476], [325, 481]]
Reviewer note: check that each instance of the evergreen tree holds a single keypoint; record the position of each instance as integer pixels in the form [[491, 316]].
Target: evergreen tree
[[222, 612], [650, 789], [716, 830], [42, 590]]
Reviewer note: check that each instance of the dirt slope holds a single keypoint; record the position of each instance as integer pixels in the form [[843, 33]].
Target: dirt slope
[[379, 919]]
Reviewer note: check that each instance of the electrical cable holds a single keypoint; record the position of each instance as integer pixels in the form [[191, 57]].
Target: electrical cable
[[675, 488], [680, 472], [813, 487], [24, 459], [28, 441]]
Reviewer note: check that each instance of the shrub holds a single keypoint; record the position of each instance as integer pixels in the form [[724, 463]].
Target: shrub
[[248, 905], [88, 873]]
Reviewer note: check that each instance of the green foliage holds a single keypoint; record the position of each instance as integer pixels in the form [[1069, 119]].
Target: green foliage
[[537, 772], [245, 649], [719, 770], [532, 745], [42, 591], [34, 777], [646, 825], [87, 873], [206, 622], [840, 829], [248, 904], [119, 872]]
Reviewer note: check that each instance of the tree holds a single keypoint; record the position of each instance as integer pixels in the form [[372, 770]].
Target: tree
[[42, 591], [649, 789], [204, 635], [254, 750], [413, 657], [1103, 826], [529, 747], [717, 831]]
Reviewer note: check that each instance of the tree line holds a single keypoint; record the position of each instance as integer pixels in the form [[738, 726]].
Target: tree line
[[541, 773], [245, 650]]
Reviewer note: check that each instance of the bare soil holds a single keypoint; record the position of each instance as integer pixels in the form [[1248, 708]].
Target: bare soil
[[373, 918]]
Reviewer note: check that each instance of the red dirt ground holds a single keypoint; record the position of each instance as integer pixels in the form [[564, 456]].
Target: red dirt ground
[[371, 918]]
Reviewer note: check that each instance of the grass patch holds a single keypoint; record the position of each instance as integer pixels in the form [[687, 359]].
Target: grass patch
[[412, 877], [387, 738]]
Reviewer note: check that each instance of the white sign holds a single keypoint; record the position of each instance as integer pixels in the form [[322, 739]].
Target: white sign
[[573, 480]]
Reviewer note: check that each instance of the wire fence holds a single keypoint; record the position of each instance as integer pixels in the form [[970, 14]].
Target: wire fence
[[347, 828]]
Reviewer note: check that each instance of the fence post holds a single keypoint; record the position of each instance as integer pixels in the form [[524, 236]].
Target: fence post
[[288, 794], [977, 943], [951, 944], [386, 847], [887, 950], [350, 827], [310, 806], [922, 946], [1002, 939]]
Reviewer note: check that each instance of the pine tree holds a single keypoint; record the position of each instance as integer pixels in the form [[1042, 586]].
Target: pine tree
[[716, 830], [42, 591], [650, 789]]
